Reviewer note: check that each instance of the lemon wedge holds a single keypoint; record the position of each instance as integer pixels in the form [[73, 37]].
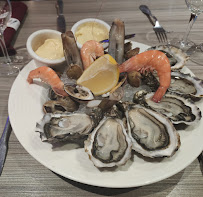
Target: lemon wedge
[[101, 76]]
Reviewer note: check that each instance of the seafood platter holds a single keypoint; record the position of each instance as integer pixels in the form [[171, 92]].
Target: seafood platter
[[123, 117]]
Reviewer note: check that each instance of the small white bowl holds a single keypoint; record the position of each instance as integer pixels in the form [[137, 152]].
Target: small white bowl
[[36, 39], [76, 25]]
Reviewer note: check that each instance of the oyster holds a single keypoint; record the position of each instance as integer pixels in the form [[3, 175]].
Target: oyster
[[174, 106], [152, 134], [65, 126], [52, 95], [176, 56], [109, 145], [78, 92], [190, 87], [184, 84], [65, 104]]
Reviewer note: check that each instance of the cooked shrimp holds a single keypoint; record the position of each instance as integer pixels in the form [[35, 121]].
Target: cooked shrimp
[[149, 61], [49, 76], [90, 51]]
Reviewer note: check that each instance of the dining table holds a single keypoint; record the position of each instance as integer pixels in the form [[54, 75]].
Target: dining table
[[22, 174]]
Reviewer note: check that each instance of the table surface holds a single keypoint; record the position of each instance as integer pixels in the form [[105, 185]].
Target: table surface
[[22, 174]]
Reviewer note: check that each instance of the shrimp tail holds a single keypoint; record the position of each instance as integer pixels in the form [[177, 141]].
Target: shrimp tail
[[159, 94], [29, 80], [59, 91]]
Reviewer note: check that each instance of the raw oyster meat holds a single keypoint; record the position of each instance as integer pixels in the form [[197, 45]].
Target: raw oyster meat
[[65, 126], [152, 134], [109, 145], [191, 87], [176, 56], [174, 106]]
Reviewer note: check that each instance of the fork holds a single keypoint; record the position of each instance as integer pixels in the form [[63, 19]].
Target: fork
[[158, 29]]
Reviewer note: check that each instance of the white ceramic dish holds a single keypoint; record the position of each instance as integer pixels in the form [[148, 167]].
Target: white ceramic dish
[[76, 25], [36, 39], [74, 163]]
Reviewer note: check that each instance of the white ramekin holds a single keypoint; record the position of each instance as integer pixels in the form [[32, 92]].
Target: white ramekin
[[76, 25], [35, 40]]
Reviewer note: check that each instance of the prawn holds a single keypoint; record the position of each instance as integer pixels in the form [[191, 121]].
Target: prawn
[[90, 51], [49, 76], [149, 61]]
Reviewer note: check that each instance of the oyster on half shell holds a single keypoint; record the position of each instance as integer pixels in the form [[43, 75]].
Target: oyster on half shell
[[60, 105], [109, 145], [152, 134], [184, 84], [65, 126], [174, 106], [190, 87]]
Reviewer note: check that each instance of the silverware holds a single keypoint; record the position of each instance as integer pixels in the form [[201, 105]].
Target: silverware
[[158, 29], [61, 23], [4, 143], [126, 37]]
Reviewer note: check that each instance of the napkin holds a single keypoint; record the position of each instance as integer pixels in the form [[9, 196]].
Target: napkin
[[19, 10]]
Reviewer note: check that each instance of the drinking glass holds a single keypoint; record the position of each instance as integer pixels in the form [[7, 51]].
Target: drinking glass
[[196, 8], [6, 66]]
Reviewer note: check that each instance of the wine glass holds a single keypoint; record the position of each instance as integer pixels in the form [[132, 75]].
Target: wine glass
[[6, 66], [196, 8]]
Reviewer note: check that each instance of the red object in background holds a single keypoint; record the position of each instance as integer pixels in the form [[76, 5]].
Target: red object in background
[[19, 10]]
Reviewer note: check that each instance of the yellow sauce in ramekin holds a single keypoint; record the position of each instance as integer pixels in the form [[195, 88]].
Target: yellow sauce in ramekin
[[91, 31]]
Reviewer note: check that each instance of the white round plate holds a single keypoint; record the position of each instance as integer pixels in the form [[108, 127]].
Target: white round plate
[[25, 109]]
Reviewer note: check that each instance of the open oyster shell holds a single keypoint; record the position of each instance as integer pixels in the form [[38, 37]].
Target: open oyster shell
[[174, 106], [109, 145], [184, 84], [152, 134], [190, 87], [65, 126], [60, 105], [78, 92]]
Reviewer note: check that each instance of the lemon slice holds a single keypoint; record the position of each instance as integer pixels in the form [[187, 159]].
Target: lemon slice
[[101, 76]]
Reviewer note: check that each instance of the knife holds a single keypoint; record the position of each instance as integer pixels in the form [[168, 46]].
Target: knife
[[4, 143], [148, 13], [61, 22]]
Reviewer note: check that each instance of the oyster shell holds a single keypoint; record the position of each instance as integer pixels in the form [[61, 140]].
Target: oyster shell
[[184, 84], [109, 145], [152, 134], [176, 56], [65, 126], [174, 106], [60, 105], [190, 87], [78, 92]]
